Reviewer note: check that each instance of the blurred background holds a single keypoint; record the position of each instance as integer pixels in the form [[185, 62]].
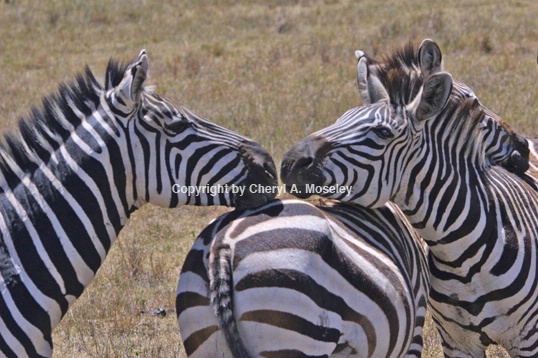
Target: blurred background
[[273, 70]]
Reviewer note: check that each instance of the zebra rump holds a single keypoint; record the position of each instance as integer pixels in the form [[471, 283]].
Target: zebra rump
[[293, 279]]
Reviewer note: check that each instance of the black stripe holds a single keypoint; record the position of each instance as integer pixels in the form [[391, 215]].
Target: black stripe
[[146, 148], [275, 209], [194, 262], [192, 342], [52, 245], [186, 300], [25, 303], [293, 323], [4, 348], [34, 266], [118, 167], [86, 198], [282, 238]]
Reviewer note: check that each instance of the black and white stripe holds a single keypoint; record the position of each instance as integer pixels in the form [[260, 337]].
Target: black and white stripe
[[456, 182], [73, 173], [291, 279]]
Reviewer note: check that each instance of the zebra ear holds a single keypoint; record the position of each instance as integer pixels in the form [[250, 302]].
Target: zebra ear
[[433, 97], [370, 88], [132, 84], [430, 57]]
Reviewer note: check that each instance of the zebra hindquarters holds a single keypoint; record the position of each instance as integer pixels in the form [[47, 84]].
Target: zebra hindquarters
[[273, 299], [198, 324], [288, 280], [280, 311], [274, 303]]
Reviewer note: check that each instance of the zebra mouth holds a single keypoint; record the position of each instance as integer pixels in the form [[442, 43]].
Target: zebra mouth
[[261, 184], [257, 192], [301, 176], [260, 187], [250, 200]]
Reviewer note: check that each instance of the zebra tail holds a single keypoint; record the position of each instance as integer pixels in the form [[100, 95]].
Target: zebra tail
[[221, 298]]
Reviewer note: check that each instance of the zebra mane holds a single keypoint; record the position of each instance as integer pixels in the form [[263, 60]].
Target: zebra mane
[[466, 119], [462, 119], [46, 127], [399, 72]]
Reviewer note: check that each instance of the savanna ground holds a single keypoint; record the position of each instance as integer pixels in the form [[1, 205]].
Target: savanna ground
[[273, 70]]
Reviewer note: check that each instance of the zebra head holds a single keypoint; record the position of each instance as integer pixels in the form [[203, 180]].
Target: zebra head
[[411, 65], [178, 157], [369, 148]]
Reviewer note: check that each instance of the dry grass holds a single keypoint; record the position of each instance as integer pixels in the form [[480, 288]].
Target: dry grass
[[273, 70]]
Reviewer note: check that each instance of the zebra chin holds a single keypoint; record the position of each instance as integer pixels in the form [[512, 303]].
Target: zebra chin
[[260, 187], [251, 200], [261, 183]]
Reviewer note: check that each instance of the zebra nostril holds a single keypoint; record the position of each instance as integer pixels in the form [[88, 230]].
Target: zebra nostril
[[270, 170], [304, 162]]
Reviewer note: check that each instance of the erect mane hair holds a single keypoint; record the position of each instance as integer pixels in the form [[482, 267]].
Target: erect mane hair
[[466, 118], [463, 118], [46, 127], [399, 72]]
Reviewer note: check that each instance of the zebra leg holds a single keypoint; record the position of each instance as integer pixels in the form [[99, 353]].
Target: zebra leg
[[453, 349], [524, 344]]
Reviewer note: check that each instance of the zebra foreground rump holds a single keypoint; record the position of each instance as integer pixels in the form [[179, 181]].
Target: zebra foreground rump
[[290, 279], [74, 173], [432, 158]]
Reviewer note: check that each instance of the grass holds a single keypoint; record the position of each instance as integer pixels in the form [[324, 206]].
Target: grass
[[273, 70]]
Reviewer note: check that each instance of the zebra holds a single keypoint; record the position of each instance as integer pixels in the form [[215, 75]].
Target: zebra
[[432, 158], [76, 169], [290, 279]]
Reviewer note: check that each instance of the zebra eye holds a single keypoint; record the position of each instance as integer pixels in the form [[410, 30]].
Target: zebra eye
[[383, 132], [177, 126]]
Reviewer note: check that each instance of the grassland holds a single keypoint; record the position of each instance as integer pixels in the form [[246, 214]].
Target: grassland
[[273, 70]]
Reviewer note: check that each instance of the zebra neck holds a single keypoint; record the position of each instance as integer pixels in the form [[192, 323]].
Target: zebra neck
[[466, 221], [59, 215], [448, 210]]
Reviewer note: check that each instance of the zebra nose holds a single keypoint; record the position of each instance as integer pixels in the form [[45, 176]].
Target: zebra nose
[[300, 164], [304, 162], [261, 177], [292, 169], [261, 166]]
